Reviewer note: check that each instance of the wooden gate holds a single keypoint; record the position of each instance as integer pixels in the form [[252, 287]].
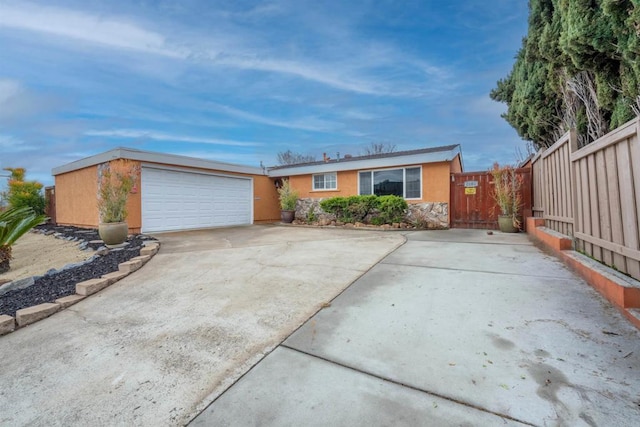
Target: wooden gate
[[472, 205], [50, 203]]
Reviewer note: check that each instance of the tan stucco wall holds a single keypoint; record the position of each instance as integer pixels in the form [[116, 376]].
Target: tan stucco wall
[[435, 183], [347, 186], [266, 207], [77, 200], [456, 165], [76, 197], [134, 205]]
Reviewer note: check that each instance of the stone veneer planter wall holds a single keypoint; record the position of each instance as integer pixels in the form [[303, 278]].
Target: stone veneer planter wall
[[432, 215]]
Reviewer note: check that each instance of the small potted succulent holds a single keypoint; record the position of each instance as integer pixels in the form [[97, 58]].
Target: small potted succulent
[[116, 180], [506, 192], [288, 199]]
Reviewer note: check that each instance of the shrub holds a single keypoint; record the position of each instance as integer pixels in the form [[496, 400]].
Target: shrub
[[359, 207], [288, 196], [392, 209], [311, 216], [336, 206], [350, 209], [23, 193], [380, 209]]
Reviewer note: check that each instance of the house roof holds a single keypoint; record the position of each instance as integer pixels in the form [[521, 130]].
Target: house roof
[[155, 157], [424, 155]]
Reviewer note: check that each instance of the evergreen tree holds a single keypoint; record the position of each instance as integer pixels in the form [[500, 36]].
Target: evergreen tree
[[579, 67]]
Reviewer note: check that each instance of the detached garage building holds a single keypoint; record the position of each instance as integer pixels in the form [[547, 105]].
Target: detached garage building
[[172, 192]]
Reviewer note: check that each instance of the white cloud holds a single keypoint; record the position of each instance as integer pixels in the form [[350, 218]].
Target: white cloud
[[310, 123], [18, 103], [8, 90], [69, 23], [346, 69], [159, 136], [11, 144]]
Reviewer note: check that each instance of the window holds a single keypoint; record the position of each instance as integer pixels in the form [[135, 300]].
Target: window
[[404, 182], [325, 181]]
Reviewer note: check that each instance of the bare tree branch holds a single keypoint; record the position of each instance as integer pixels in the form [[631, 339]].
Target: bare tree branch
[[378, 148], [290, 158]]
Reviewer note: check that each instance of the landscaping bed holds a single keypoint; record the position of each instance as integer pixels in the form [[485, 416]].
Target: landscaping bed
[[62, 282]]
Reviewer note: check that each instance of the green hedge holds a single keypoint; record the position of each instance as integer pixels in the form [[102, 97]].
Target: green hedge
[[380, 209]]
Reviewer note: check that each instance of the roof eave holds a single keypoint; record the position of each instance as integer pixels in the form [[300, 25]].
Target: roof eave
[[383, 162], [154, 157]]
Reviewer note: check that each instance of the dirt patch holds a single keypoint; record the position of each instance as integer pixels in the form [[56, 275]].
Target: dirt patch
[[34, 254]]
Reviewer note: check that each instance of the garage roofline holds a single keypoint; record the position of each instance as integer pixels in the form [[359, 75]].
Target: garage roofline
[[155, 157]]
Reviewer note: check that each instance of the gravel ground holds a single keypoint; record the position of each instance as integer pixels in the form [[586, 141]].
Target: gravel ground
[[59, 283]]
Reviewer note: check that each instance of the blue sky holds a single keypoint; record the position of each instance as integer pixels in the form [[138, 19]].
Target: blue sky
[[239, 81]]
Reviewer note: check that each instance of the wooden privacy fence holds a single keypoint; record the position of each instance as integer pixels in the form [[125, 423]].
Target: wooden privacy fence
[[593, 195]]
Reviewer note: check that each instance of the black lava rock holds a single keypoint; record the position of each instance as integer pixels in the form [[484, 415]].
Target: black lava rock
[[60, 283]]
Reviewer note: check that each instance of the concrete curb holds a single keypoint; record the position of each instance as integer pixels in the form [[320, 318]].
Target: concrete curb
[[27, 316], [621, 291]]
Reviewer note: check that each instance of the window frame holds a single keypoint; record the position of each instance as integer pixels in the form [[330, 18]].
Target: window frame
[[324, 181], [404, 179]]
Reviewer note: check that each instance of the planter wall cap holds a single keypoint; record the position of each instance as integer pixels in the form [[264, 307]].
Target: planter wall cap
[[114, 276], [143, 258], [7, 324], [29, 315], [69, 300], [148, 251], [91, 286], [130, 266]]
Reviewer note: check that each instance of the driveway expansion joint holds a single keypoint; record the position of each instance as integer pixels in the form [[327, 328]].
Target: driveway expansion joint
[[411, 387], [476, 271]]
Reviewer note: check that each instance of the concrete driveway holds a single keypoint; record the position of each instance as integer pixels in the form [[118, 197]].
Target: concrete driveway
[[157, 347], [454, 328]]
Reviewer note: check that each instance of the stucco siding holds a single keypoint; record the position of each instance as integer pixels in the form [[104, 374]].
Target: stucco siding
[[266, 206], [435, 183], [76, 197]]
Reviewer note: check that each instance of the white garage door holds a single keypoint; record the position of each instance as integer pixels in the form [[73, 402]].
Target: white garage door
[[173, 200]]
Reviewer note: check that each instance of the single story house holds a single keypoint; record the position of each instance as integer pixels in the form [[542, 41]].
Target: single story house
[[181, 193]]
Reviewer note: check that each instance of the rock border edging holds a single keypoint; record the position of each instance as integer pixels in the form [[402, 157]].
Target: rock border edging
[[29, 315]]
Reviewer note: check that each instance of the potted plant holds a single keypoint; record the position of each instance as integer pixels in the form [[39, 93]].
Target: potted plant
[[506, 193], [288, 199], [116, 180]]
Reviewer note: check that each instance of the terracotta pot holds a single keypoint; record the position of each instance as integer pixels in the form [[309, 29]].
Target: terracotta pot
[[505, 223], [113, 233], [287, 216]]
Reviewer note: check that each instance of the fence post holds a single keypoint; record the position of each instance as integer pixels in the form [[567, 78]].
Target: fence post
[[577, 214]]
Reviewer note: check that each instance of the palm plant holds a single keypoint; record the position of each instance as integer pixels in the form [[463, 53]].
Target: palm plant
[[15, 222]]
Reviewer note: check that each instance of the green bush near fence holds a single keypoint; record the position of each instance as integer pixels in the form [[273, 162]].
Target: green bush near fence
[[377, 210]]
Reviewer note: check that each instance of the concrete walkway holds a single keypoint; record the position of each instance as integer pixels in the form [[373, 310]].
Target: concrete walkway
[[454, 328], [158, 346]]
